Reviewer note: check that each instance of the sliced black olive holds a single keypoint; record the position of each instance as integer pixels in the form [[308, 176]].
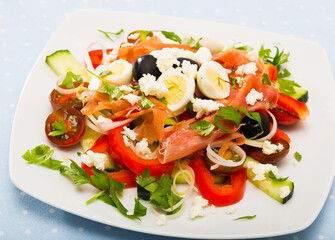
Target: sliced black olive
[[181, 59], [145, 64], [251, 128]]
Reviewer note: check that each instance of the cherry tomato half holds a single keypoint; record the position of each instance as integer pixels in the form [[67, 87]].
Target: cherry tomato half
[[70, 124], [59, 100], [258, 155]]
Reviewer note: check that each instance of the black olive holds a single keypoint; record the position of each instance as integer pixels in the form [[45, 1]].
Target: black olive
[[251, 128], [145, 64], [181, 59]]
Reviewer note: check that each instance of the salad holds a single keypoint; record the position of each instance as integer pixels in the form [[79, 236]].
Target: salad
[[170, 115]]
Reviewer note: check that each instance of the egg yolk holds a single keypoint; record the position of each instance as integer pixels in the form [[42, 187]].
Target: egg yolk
[[117, 70], [216, 80], [177, 86]]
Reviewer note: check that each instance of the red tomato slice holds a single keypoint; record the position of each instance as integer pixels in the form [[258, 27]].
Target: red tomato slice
[[132, 160], [272, 72], [219, 196], [96, 56]]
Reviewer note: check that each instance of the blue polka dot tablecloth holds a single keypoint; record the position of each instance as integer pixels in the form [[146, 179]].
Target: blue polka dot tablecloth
[[25, 27]]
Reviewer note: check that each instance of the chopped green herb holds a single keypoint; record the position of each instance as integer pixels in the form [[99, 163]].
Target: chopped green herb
[[245, 217], [273, 177], [205, 127], [240, 46], [266, 80], [110, 33], [232, 82], [191, 41], [172, 36], [163, 100], [105, 73], [146, 103], [112, 90], [172, 86], [287, 86], [59, 128], [144, 34], [279, 58], [69, 78], [227, 113], [283, 74], [297, 156], [79, 154]]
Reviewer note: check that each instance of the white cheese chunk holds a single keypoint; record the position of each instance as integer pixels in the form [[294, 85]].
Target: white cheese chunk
[[213, 209], [198, 205], [261, 169], [190, 70], [203, 55], [270, 148], [91, 159], [103, 120], [161, 36], [94, 84], [253, 56], [284, 191], [134, 36], [131, 98], [161, 220], [205, 106], [131, 134], [126, 88], [149, 86], [230, 210], [253, 96], [249, 68], [141, 147]]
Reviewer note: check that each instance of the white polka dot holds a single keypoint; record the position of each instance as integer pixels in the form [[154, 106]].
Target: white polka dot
[[174, 12], [29, 58], [64, 1], [124, 0], [0, 212], [285, 22], [243, 23], [1, 233], [22, 16], [322, 7], [47, 29], [332, 196], [7, 74], [1, 17], [27, 231], [333, 32], [54, 230], [12, 106], [11, 90], [301, 6], [264, 22], [307, 20], [280, 9], [51, 210], [329, 19], [295, 238], [312, 35], [24, 212], [81, 229], [24, 30], [217, 10], [2, 30], [21, 3], [42, 1], [5, 59], [260, 9], [26, 44], [149, 0], [321, 237], [195, 11], [4, 45], [107, 1], [108, 228], [153, 12], [44, 15], [238, 10]]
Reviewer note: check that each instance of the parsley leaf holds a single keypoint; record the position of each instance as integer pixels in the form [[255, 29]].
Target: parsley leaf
[[272, 176], [279, 58], [284, 74], [78, 174], [286, 86], [41, 155], [240, 46], [147, 182], [172, 36], [245, 217], [69, 78], [110, 33], [227, 113], [112, 90], [203, 125], [59, 128], [191, 41], [266, 80], [297, 156], [146, 103], [105, 73]]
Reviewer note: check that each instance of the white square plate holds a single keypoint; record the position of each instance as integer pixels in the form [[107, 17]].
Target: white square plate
[[313, 138]]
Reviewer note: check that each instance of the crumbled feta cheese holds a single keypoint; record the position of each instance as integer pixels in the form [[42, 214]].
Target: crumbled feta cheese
[[284, 191], [203, 55], [205, 106], [126, 44], [141, 147], [131, 134], [269, 148], [253, 56], [103, 120], [149, 86], [111, 56], [213, 209], [230, 210], [190, 70], [260, 169], [131, 98], [91, 159], [161, 220], [240, 81], [247, 69], [161, 36], [253, 96], [134, 36], [127, 142], [94, 84], [126, 88], [198, 205]]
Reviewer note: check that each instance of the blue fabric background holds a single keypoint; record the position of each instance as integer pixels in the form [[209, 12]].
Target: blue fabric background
[[25, 27]]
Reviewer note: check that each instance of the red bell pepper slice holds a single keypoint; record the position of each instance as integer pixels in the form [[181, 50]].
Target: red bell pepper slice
[[132, 160], [289, 110], [124, 176], [96, 56], [219, 196]]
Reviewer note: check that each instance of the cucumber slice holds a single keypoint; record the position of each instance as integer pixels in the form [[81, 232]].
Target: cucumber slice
[[89, 138], [270, 186], [300, 94], [109, 165], [63, 61]]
